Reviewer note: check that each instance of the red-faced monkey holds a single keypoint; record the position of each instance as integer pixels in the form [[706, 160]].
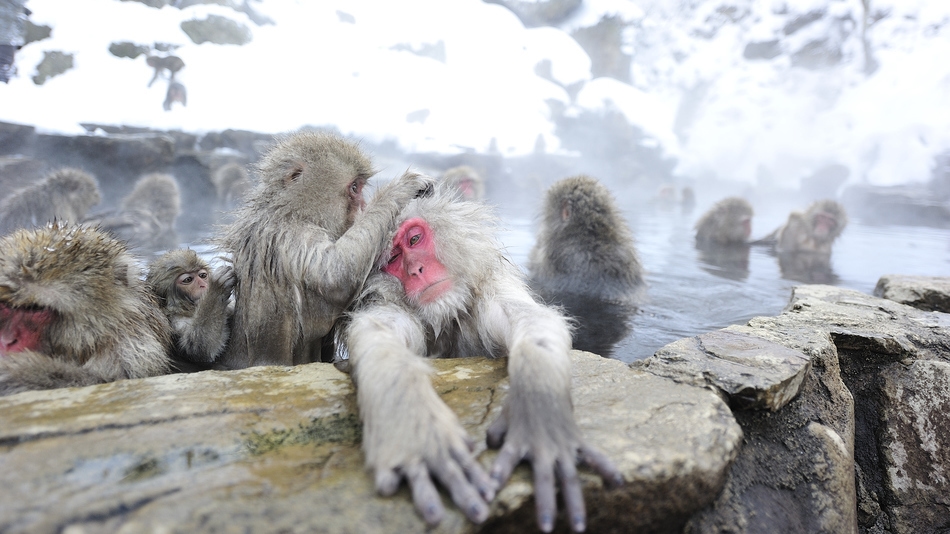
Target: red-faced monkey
[[811, 232], [74, 311], [444, 289], [467, 181], [302, 244], [196, 303]]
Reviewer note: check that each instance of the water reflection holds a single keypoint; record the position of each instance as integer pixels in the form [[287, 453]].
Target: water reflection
[[691, 291]]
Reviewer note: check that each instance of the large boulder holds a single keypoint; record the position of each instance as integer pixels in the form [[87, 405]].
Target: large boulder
[[274, 449]]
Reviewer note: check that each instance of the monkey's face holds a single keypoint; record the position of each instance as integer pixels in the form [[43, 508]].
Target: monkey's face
[[193, 284], [22, 328], [824, 226], [355, 200], [413, 261]]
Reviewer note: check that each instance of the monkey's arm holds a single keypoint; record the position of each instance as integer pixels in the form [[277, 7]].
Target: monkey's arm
[[28, 370], [537, 422], [340, 268], [408, 431], [202, 338]]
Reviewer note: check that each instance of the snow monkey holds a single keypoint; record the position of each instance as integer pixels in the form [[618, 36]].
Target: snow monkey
[[74, 311], [65, 194], [146, 217], [444, 289], [727, 222], [811, 232], [172, 64], [467, 181], [196, 303], [584, 260], [302, 245]]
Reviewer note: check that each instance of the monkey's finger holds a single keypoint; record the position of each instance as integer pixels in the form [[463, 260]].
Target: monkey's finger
[[495, 436], [387, 481], [603, 465], [544, 495], [424, 494], [573, 495], [504, 464], [485, 485], [464, 495]]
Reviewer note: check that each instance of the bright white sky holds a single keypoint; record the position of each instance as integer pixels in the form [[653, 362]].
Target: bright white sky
[[311, 68]]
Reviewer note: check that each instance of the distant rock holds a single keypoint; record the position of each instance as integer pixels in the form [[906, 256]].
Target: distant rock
[[218, 30], [928, 293], [53, 64]]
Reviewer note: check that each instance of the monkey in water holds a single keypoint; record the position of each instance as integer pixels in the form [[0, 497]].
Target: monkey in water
[[196, 303], [146, 217], [811, 232], [444, 289], [727, 222], [467, 181], [172, 64], [66, 194], [75, 312], [231, 183], [302, 245], [584, 261]]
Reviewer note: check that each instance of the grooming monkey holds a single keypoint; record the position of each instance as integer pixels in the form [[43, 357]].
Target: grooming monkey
[[196, 303], [302, 245], [811, 232], [74, 312], [444, 289], [584, 260], [727, 222], [65, 194]]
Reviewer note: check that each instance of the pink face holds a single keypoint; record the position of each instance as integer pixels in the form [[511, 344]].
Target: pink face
[[824, 225], [193, 283], [22, 329], [414, 262]]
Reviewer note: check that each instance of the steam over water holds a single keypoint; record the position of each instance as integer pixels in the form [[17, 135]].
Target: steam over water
[[686, 296]]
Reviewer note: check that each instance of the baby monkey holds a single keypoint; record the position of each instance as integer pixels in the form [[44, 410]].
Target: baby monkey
[[197, 304]]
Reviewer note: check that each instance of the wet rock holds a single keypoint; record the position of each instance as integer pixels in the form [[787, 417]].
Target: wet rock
[[928, 293], [53, 64], [277, 449], [15, 138], [216, 29], [915, 445], [753, 373]]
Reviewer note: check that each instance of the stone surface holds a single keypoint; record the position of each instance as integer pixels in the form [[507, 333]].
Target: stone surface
[[928, 293], [915, 445], [855, 450], [218, 30], [277, 449], [751, 371]]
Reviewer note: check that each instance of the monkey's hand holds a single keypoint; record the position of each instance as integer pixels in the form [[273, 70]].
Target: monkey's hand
[[412, 185], [420, 439], [224, 278], [537, 425], [28, 370]]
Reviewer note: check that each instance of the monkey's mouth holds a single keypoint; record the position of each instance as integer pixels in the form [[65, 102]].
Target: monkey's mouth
[[435, 290]]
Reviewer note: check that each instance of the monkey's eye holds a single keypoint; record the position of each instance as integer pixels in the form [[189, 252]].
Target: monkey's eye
[[186, 279], [395, 256], [414, 239], [355, 187], [202, 274]]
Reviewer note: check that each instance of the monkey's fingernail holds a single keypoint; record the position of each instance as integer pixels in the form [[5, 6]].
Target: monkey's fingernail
[[579, 524]]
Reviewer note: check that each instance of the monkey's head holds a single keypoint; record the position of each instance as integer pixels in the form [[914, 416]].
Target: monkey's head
[[178, 277], [158, 194], [58, 289], [826, 220], [467, 181], [315, 177], [728, 221], [80, 187]]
